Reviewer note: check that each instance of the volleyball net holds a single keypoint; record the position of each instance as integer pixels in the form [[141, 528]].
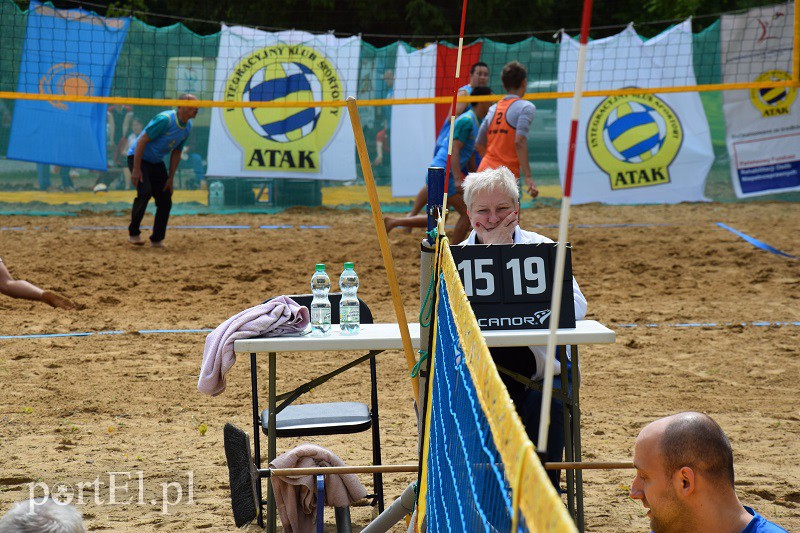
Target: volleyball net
[[272, 102], [479, 469]]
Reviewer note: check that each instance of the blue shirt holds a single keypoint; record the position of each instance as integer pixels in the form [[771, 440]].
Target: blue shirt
[[759, 524], [466, 131], [166, 134], [444, 134]]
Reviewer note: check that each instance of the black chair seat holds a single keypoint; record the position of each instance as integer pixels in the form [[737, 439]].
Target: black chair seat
[[334, 418]]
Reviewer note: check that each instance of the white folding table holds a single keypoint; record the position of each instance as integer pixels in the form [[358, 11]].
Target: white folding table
[[380, 337]]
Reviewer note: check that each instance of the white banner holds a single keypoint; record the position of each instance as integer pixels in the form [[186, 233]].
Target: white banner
[[651, 148], [289, 142], [413, 136], [763, 125]]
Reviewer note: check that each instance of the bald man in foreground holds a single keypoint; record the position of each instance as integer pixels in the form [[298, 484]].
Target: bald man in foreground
[[684, 476]]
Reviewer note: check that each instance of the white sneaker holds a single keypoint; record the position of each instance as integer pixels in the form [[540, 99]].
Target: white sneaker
[[136, 240], [157, 244]]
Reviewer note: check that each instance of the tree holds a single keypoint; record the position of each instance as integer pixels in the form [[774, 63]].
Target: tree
[[407, 18]]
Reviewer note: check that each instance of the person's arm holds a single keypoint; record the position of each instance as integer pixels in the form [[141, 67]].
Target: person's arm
[[455, 163], [111, 128], [379, 149], [126, 124], [174, 160], [461, 106], [136, 173], [580, 301], [483, 131], [521, 146]]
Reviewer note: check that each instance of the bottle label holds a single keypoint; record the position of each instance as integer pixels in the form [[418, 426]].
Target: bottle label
[[321, 315], [349, 315]]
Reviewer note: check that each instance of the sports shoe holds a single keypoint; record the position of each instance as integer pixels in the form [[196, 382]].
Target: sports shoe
[[157, 244], [136, 240]]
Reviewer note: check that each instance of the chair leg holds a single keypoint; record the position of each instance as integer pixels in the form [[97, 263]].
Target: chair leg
[[568, 435], [576, 436], [377, 478], [343, 524], [320, 503]]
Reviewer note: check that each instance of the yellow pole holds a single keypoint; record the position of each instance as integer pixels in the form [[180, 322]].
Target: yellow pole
[[796, 47], [383, 240]]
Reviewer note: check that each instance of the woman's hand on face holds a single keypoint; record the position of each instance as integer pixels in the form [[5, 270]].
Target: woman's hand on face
[[502, 233]]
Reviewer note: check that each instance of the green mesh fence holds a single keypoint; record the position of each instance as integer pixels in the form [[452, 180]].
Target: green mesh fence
[[162, 62]]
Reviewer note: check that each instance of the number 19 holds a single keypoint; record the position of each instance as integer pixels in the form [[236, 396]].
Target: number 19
[[534, 272]]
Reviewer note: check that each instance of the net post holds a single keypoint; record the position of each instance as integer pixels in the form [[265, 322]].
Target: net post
[[383, 240], [561, 251]]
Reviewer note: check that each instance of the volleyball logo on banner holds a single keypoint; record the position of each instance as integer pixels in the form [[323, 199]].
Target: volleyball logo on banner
[[287, 138], [773, 101], [64, 78], [634, 139]]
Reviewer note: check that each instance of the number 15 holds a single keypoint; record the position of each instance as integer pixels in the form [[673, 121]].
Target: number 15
[[466, 267]]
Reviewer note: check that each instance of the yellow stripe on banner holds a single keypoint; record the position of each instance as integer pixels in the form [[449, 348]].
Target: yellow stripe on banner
[[538, 501]]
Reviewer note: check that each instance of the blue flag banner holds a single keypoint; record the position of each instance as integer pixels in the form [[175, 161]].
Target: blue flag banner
[[66, 52]]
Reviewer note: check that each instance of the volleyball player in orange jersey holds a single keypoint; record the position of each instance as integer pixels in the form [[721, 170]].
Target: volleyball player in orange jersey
[[503, 136]]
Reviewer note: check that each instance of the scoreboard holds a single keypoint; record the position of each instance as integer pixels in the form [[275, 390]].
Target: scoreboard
[[510, 285]]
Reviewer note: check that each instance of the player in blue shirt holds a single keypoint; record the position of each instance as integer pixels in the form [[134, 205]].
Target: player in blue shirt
[[478, 77], [465, 134], [165, 134], [684, 477]]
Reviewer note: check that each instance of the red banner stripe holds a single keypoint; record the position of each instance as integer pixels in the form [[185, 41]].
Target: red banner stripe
[[446, 58]]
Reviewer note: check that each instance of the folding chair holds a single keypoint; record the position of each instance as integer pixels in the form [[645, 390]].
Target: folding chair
[[332, 418]]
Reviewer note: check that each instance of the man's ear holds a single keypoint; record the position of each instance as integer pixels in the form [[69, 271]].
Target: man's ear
[[685, 481]]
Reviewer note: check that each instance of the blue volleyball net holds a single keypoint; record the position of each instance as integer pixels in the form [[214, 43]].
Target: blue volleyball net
[[479, 469]]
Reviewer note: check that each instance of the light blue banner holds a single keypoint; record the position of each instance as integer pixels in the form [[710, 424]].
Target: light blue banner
[[66, 52]]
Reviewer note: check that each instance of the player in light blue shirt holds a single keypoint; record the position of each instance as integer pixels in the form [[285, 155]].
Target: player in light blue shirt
[[165, 134], [465, 134]]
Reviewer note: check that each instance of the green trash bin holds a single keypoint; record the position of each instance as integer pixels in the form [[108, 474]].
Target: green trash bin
[[291, 192]]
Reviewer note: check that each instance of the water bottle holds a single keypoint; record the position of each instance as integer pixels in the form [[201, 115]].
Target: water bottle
[[216, 194], [349, 316], [320, 305]]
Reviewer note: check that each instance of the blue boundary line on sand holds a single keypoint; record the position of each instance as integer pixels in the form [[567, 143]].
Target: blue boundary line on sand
[[121, 228], [313, 226], [755, 242], [707, 324], [90, 333], [207, 330]]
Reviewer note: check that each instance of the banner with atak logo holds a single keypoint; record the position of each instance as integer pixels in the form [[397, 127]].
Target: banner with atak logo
[[66, 52], [763, 125], [283, 142], [640, 148]]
